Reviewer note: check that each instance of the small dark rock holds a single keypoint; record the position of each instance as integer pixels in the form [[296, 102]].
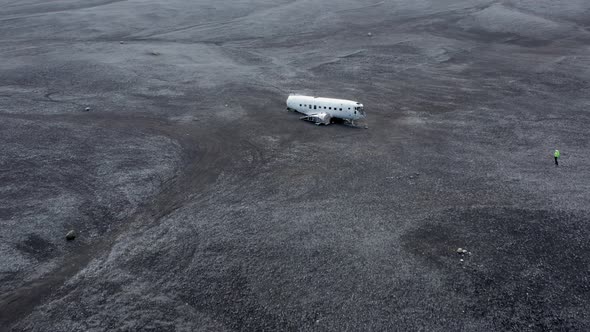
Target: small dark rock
[[71, 235], [87, 109]]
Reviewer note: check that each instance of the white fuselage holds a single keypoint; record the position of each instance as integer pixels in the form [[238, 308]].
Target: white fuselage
[[336, 108]]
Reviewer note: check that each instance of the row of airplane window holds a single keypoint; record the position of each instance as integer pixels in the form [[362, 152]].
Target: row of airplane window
[[314, 107]]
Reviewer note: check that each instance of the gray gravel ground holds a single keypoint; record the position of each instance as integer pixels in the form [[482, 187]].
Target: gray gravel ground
[[200, 204]]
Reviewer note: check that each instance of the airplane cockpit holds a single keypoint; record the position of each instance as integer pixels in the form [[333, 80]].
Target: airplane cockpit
[[360, 109]]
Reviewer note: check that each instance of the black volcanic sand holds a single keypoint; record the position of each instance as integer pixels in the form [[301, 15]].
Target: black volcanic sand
[[200, 204]]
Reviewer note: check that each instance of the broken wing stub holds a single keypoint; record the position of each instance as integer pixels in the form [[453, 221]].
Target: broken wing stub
[[318, 118]]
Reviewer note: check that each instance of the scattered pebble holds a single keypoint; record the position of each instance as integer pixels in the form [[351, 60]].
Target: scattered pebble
[[71, 235], [87, 109], [461, 251], [121, 42], [461, 260], [369, 34]]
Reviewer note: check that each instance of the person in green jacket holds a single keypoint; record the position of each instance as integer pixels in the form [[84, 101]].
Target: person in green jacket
[[556, 154]]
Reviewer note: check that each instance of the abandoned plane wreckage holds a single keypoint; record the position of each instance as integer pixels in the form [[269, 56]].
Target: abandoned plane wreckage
[[323, 110]]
